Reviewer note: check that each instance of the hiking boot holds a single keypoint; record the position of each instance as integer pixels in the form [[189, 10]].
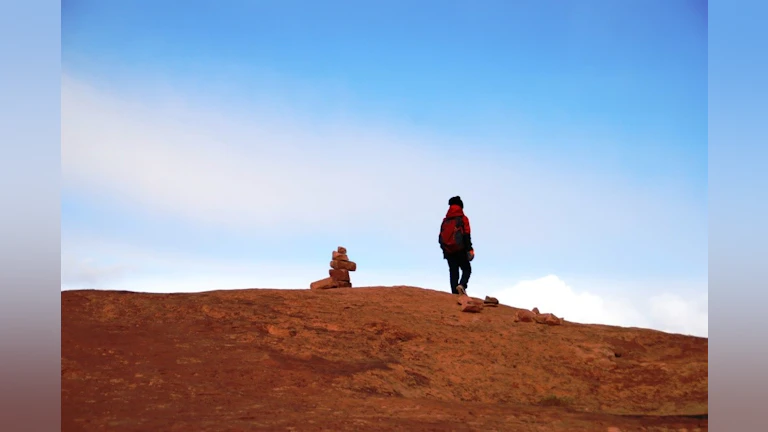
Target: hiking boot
[[460, 289]]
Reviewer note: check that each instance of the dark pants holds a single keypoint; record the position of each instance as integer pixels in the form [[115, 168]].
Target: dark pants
[[455, 262]]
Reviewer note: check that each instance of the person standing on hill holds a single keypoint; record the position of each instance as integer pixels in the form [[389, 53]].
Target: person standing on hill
[[456, 242]]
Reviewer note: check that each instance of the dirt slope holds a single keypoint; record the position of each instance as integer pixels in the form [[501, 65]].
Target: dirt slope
[[396, 358]]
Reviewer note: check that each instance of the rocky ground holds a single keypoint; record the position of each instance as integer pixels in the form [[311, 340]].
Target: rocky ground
[[363, 359]]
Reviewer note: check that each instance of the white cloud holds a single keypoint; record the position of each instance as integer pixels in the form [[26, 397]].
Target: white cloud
[[237, 173], [673, 313], [253, 169], [666, 312], [551, 294], [148, 271], [87, 272], [154, 270]]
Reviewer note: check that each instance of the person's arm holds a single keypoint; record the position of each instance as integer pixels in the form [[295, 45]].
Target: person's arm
[[467, 234]]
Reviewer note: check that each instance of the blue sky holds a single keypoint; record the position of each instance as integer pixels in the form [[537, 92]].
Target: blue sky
[[210, 146]]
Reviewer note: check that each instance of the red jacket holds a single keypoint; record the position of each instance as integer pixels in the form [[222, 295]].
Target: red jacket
[[455, 211]]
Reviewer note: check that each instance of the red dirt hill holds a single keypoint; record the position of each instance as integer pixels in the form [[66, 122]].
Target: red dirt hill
[[357, 359]]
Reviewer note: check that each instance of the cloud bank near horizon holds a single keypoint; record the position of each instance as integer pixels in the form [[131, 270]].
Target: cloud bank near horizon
[[676, 309], [666, 312]]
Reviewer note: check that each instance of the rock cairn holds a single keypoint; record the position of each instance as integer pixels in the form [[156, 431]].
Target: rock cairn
[[474, 305], [524, 315], [338, 273]]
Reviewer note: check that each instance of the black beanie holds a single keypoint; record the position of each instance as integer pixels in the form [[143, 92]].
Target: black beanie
[[456, 201]]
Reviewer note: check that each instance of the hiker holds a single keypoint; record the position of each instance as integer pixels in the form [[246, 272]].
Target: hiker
[[456, 242]]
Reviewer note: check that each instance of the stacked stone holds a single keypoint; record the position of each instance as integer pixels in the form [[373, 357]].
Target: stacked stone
[[469, 304], [524, 315], [339, 272]]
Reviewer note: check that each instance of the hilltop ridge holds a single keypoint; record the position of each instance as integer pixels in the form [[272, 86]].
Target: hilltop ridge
[[367, 358]]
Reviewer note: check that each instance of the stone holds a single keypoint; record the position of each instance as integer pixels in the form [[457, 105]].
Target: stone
[[469, 304], [462, 298], [322, 284], [490, 304], [548, 319], [472, 307], [343, 284], [343, 265], [524, 315], [342, 250], [536, 311], [492, 300], [339, 275], [340, 257]]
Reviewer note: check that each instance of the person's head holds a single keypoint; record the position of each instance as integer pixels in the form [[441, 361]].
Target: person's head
[[456, 201]]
